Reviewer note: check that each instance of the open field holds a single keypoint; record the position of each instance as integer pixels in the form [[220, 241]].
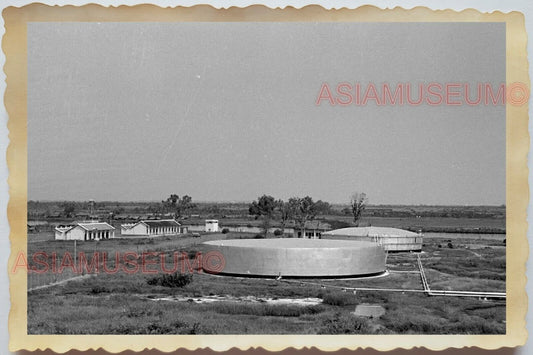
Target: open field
[[125, 303], [440, 224]]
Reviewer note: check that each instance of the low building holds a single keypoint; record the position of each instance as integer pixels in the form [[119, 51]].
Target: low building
[[37, 226], [151, 228], [311, 230], [211, 225], [85, 231]]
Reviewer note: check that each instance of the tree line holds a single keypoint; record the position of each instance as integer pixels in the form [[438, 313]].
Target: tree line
[[299, 210]]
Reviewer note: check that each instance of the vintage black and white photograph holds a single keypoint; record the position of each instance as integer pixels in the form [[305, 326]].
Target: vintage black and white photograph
[[266, 178]]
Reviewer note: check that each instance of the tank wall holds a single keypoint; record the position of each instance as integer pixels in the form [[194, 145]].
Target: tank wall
[[390, 243], [301, 262]]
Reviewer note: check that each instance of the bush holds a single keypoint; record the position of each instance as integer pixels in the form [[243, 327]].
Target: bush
[[345, 324], [170, 280], [99, 289], [339, 299], [278, 232], [192, 254], [450, 245], [177, 327], [417, 327], [225, 230], [264, 310], [259, 236]]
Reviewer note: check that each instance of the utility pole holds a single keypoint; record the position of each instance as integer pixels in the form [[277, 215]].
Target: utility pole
[[91, 209], [75, 256]]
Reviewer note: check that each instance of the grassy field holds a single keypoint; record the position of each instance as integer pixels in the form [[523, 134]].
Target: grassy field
[[125, 303], [429, 224]]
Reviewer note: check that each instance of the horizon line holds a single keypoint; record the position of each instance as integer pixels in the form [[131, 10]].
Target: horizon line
[[249, 201]]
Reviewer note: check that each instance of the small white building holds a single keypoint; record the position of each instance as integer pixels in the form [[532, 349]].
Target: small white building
[[211, 225], [85, 231], [151, 228], [311, 230]]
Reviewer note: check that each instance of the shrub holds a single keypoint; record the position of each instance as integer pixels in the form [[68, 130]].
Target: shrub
[[450, 245], [225, 230], [170, 280], [278, 232], [418, 327], [259, 236], [339, 299], [192, 254], [99, 289], [344, 324], [264, 310]]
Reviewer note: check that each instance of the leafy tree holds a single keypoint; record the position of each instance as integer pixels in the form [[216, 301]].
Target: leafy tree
[[358, 203], [286, 211], [305, 210], [322, 207], [213, 209], [117, 210], [263, 208], [154, 208], [68, 208], [185, 204], [176, 205]]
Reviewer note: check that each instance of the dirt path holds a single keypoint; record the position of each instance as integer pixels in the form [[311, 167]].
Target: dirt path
[[62, 282]]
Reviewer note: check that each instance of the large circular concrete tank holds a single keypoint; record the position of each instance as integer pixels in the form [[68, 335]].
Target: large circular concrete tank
[[392, 239], [298, 257]]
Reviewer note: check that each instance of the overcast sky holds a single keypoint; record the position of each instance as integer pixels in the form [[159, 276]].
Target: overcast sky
[[226, 112]]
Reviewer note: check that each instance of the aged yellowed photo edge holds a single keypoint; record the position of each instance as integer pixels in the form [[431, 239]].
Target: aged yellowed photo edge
[[14, 45]]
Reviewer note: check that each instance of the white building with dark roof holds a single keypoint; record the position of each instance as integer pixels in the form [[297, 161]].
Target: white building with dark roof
[[151, 228], [211, 225], [85, 231], [311, 230]]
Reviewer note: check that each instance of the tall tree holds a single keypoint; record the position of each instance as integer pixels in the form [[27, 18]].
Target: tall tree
[[358, 203], [305, 210], [68, 209], [287, 211], [176, 205], [322, 207], [263, 208]]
